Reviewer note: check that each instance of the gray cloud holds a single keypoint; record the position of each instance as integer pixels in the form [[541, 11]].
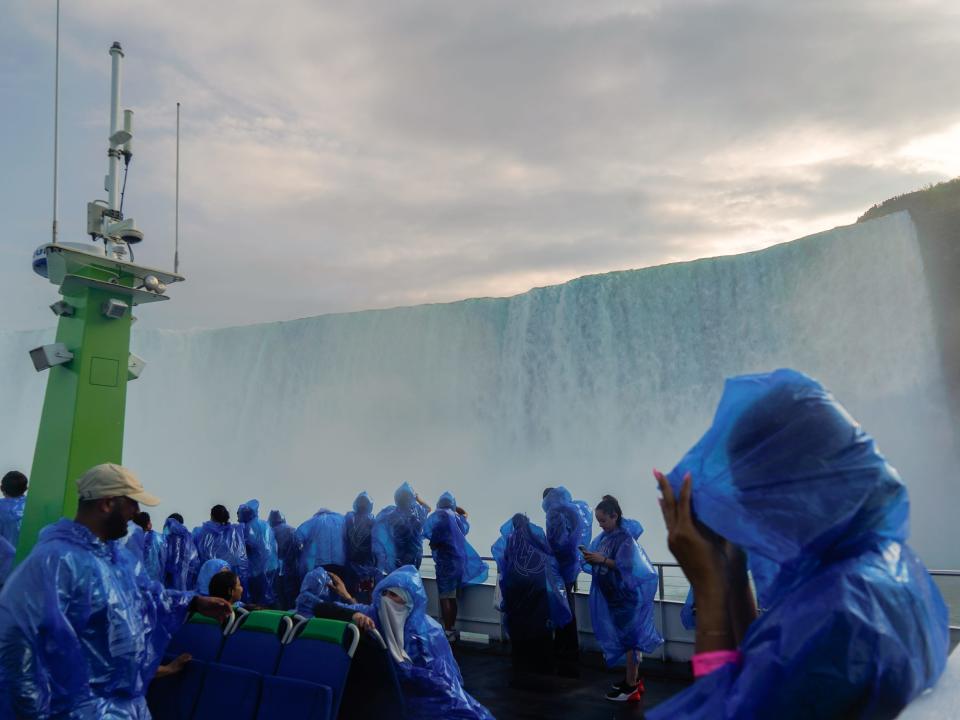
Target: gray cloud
[[371, 154]]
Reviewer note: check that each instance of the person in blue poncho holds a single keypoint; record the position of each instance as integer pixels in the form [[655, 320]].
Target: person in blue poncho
[[457, 563], [154, 547], [181, 560], [398, 531], [786, 484], [207, 571], [286, 583], [261, 548], [217, 538], [319, 588], [358, 530], [568, 528], [622, 591], [323, 542], [14, 488], [430, 678], [82, 628], [533, 596]]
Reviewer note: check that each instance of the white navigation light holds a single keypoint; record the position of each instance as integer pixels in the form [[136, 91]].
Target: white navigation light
[[114, 309], [46, 356], [150, 282], [135, 366], [161, 288], [63, 309]]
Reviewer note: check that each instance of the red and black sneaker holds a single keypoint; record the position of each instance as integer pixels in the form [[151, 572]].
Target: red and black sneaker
[[621, 692]]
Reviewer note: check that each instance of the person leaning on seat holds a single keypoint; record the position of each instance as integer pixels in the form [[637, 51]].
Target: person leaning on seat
[[82, 627]]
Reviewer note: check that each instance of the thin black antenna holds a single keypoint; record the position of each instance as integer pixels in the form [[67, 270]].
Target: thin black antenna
[[56, 124], [176, 203]]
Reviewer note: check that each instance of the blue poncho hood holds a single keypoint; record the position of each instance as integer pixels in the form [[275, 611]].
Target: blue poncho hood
[[786, 474], [250, 510], [404, 496], [276, 518], [363, 505], [556, 497], [207, 571], [447, 502], [314, 589]]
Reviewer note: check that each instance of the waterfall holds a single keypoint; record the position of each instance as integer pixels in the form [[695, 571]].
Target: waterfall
[[588, 384]]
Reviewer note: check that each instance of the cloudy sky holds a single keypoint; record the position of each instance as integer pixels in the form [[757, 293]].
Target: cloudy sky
[[341, 156]]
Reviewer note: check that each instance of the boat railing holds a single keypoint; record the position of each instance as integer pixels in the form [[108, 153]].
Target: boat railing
[[672, 588]]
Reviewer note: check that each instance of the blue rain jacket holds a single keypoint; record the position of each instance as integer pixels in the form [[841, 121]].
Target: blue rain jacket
[[181, 563], [853, 623], [286, 584], [533, 591], [621, 598], [688, 613], [431, 682], [154, 555], [81, 630], [223, 542], [7, 554], [261, 554], [358, 525], [398, 532], [315, 589], [207, 571], [457, 563], [11, 517], [322, 539], [568, 527]]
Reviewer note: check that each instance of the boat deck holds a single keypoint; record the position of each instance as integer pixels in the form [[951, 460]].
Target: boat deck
[[488, 677]]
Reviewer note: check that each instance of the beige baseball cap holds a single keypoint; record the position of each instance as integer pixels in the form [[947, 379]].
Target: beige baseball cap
[[109, 480]]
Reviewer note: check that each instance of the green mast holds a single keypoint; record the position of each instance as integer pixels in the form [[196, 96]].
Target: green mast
[[90, 363]]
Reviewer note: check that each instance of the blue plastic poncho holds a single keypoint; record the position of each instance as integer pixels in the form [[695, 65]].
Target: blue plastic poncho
[[223, 542], [534, 597], [398, 532], [568, 527], [688, 613], [431, 682], [81, 632], [11, 517], [621, 598], [132, 542], [358, 529], [154, 555], [853, 624], [315, 589], [286, 584], [322, 539], [181, 559], [457, 563], [7, 554], [261, 553], [207, 571]]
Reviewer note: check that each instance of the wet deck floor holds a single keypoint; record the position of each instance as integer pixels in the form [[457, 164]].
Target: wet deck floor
[[487, 675]]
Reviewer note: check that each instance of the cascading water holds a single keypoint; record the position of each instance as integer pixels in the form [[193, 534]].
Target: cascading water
[[587, 384]]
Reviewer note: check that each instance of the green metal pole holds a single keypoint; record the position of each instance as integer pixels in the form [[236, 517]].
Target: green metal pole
[[83, 410]]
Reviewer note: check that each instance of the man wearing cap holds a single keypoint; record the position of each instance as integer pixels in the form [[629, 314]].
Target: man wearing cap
[[82, 626]]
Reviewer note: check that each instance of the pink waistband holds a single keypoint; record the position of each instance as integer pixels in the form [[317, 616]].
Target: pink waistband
[[707, 662]]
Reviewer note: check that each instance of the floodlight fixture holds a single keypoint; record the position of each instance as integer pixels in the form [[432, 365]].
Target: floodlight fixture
[[135, 366], [46, 356], [114, 309], [62, 308]]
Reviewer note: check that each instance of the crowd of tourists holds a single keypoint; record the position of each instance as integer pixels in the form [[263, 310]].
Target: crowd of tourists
[[784, 489]]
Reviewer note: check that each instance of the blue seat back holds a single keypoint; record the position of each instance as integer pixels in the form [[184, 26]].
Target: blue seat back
[[255, 644], [200, 636], [321, 654], [228, 692], [297, 699]]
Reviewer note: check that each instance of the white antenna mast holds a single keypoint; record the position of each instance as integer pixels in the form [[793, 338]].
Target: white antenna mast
[[56, 123], [176, 203]]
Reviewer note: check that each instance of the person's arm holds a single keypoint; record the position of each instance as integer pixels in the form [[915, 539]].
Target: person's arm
[[337, 585], [423, 503], [704, 565]]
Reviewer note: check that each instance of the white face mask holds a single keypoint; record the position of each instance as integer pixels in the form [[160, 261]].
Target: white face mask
[[393, 616]]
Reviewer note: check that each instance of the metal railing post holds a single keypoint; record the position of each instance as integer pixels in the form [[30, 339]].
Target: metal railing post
[[663, 614]]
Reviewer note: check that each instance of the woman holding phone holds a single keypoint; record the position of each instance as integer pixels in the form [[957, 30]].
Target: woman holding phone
[[621, 596]]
